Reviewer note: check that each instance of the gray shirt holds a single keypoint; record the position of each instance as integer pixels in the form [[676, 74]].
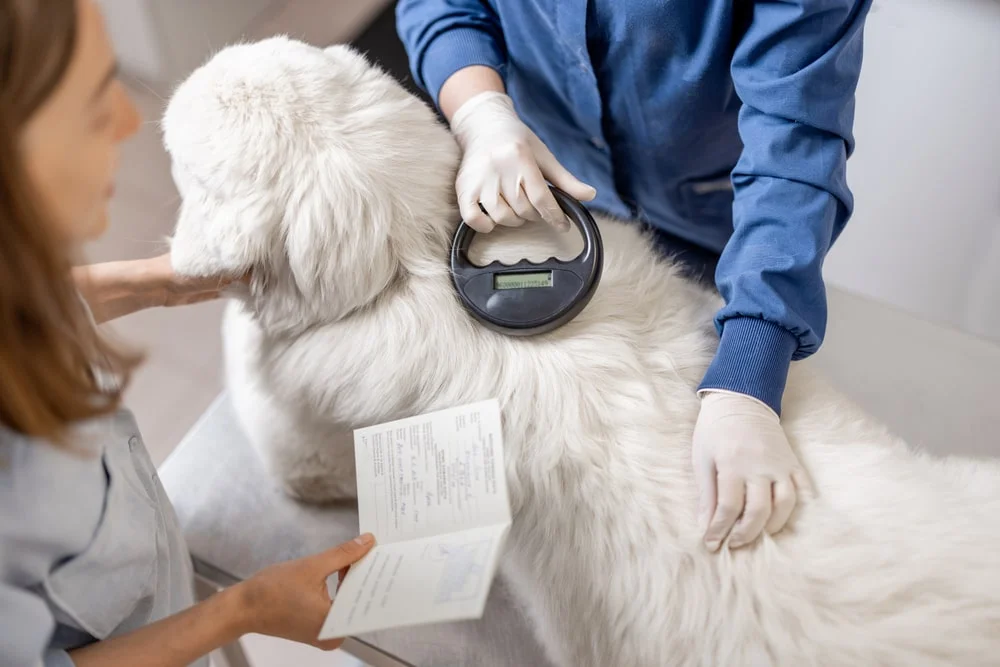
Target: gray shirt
[[90, 547]]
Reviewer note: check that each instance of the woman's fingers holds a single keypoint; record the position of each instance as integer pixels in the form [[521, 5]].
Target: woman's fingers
[[340, 576], [339, 559], [329, 644], [346, 554]]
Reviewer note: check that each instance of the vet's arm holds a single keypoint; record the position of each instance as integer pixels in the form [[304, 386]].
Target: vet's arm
[[442, 37], [116, 289], [466, 84], [796, 70], [457, 54]]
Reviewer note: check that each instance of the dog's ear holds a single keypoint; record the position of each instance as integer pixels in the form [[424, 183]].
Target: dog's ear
[[336, 234], [228, 237], [230, 128]]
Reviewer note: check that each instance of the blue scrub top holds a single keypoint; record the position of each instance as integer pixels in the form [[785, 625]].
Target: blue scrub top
[[728, 124]]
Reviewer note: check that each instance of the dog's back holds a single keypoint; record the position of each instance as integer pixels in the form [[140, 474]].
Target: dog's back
[[894, 562]]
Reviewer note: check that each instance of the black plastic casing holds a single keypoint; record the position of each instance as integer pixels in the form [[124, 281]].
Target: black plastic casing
[[531, 311]]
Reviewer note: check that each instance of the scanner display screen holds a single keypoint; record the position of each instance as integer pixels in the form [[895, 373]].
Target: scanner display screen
[[522, 280]]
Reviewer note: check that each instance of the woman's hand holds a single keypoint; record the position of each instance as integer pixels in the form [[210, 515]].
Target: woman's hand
[[175, 290], [116, 289], [291, 600]]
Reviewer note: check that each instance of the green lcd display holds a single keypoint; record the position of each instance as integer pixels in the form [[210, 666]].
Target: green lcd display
[[522, 280]]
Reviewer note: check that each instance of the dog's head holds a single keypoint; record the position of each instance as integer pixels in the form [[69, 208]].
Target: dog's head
[[312, 170]]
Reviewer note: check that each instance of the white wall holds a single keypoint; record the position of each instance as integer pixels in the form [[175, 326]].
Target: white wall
[[160, 41], [926, 174]]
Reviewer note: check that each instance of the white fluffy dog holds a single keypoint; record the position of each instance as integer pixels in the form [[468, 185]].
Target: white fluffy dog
[[334, 186]]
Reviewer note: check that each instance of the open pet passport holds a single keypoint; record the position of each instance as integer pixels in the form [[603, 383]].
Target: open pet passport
[[433, 491]]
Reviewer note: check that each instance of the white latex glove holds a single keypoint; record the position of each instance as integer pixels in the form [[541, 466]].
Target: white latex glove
[[505, 166], [748, 477]]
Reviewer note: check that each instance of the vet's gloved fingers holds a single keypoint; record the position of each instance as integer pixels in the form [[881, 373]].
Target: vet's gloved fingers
[[731, 496], [784, 504], [803, 484], [515, 219], [755, 514], [704, 477], [499, 210], [543, 200], [560, 177], [518, 200], [473, 215]]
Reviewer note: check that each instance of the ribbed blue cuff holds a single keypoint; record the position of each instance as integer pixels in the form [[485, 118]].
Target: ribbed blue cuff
[[454, 50], [753, 359]]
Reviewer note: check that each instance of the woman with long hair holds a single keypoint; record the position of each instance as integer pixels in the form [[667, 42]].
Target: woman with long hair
[[93, 566]]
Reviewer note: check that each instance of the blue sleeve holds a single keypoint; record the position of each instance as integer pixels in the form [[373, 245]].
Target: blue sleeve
[[796, 70], [444, 36]]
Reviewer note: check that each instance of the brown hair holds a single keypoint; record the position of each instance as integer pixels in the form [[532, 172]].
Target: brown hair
[[53, 362]]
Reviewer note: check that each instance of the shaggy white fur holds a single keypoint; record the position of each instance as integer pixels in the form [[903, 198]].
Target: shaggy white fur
[[335, 186]]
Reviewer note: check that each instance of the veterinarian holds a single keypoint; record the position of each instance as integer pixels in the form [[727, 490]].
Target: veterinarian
[[93, 567], [724, 126]]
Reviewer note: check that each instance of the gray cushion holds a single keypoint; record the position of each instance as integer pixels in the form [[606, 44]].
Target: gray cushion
[[236, 519]]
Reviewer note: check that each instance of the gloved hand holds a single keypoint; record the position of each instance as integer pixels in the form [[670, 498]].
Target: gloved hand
[[743, 465], [505, 166]]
